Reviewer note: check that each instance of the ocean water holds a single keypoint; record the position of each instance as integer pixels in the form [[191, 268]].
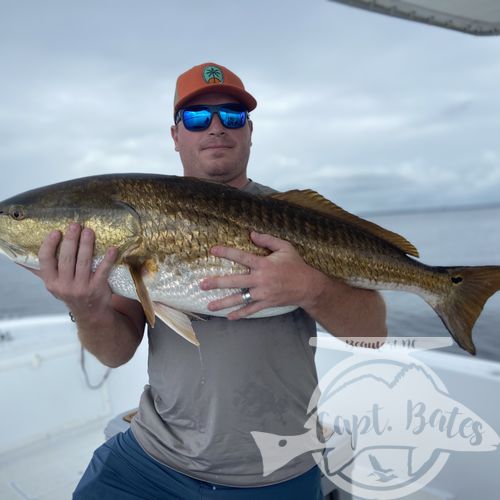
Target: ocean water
[[446, 237]]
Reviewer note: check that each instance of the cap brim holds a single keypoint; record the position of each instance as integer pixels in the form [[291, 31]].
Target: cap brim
[[241, 95]]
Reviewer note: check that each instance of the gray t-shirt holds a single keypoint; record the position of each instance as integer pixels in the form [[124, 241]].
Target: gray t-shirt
[[201, 405]]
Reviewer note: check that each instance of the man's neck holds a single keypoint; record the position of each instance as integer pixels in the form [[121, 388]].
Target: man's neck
[[239, 183]]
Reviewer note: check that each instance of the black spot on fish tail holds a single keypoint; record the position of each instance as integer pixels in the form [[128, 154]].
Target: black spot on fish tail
[[460, 306]]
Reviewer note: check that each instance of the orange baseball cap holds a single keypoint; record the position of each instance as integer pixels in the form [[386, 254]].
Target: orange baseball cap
[[210, 77]]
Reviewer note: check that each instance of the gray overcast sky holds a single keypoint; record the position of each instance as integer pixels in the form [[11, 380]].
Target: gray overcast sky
[[373, 112]]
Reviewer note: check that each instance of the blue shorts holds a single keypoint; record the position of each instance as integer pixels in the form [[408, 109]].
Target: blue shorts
[[121, 470]]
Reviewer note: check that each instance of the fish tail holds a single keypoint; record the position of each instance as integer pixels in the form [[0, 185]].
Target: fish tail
[[470, 288]]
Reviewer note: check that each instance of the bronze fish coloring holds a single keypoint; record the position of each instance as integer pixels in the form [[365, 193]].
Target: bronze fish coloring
[[164, 228]]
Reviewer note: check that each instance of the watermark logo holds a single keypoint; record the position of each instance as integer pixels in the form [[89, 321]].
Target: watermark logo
[[387, 424]]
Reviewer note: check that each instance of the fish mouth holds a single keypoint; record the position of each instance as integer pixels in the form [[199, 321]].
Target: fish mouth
[[9, 250], [18, 255]]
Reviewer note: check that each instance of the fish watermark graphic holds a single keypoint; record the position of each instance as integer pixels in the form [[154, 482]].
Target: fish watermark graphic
[[381, 424]]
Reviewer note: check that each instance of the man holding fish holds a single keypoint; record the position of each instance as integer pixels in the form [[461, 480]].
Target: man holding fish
[[191, 437]]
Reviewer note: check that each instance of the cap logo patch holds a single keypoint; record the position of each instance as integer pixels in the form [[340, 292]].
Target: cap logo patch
[[213, 74]]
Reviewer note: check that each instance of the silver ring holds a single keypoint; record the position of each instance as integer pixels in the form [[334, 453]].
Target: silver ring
[[245, 296]]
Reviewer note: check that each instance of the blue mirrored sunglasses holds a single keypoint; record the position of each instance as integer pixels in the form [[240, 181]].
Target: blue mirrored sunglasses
[[196, 118]]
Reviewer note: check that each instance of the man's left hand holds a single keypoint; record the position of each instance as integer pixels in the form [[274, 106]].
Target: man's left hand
[[281, 278]]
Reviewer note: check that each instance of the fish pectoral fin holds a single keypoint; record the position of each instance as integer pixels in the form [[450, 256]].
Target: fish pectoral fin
[[177, 321], [307, 198], [142, 293]]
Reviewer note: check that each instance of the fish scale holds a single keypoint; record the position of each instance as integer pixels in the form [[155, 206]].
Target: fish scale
[[165, 226]]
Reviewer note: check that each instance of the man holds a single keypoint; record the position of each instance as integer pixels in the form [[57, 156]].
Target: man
[[192, 437]]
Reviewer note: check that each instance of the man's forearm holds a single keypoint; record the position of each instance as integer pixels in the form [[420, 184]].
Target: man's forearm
[[345, 311], [110, 335]]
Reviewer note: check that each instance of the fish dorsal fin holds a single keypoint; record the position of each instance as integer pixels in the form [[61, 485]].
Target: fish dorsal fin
[[312, 200], [142, 293]]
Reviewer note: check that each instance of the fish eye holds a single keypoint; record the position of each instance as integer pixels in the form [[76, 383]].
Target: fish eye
[[17, 213]]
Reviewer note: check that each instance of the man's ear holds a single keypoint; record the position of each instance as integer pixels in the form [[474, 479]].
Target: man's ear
[[174, 132], [250, 124]]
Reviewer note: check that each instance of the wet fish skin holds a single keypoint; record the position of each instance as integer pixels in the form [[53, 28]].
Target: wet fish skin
[[165, 226]]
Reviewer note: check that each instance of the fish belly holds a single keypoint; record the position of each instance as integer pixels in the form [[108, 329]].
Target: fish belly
[[179, 287]]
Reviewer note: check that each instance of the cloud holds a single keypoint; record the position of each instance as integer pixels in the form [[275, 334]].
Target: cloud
[[369, 110]]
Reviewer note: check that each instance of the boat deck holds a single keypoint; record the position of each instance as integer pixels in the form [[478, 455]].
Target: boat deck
[[50, 468], [52, 419]]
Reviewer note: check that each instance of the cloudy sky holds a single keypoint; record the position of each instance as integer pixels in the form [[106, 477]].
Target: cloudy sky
[[375, 113]]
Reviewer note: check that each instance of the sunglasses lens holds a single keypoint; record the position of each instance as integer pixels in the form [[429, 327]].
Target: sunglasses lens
[[232, 118], [196, 119]]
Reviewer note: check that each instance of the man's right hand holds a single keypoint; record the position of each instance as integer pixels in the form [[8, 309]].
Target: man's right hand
[[69, 276], [109, 326]]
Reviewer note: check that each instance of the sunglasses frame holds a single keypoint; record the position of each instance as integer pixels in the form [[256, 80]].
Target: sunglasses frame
[[213, 109]]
